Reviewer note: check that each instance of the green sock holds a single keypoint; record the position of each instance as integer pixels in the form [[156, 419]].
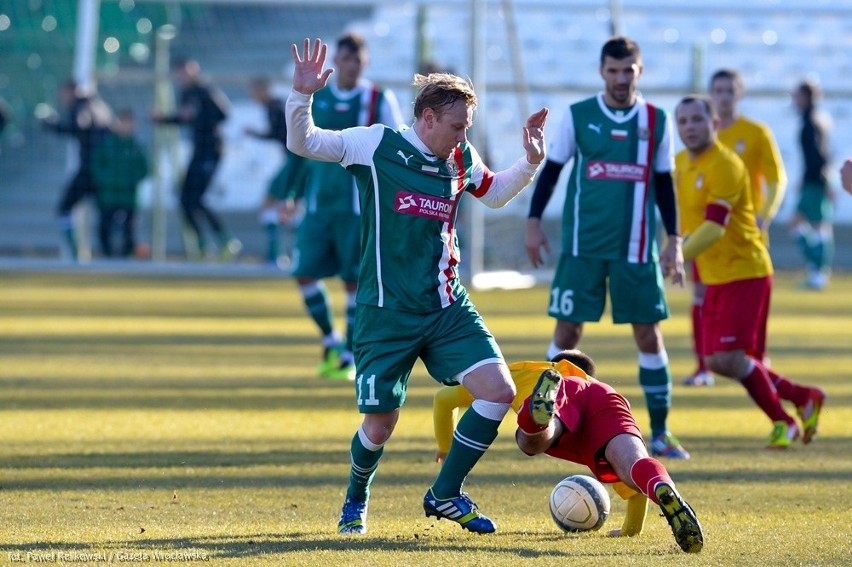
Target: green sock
[[316, 300], [823, 252], [656, 382], [474, 434], [807, 241], [365, 462]]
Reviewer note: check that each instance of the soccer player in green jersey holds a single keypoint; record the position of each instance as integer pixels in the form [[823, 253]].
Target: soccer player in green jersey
[[410, 302], [621, 147], [327, 238], [811, 224]]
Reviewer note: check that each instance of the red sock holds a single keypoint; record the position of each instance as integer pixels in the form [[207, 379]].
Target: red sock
[[698, 338], [761, 389], [789, 390], [646, 473], [525, 420]]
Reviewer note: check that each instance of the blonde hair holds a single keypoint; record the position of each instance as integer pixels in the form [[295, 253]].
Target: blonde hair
[[441, 90]]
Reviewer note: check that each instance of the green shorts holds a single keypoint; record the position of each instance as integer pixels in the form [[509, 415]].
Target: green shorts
[[328, 245], [578, 292], [814, 204], [387, 343]]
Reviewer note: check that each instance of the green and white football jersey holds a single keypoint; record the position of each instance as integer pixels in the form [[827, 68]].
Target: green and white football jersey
[[409, 207], [334, 109], [610, 203]]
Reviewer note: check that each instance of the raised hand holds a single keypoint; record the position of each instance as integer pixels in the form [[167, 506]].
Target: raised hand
[[309, 74], [534, 136]]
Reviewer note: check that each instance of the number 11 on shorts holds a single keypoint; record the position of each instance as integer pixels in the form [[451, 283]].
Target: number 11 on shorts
[[370, 382]]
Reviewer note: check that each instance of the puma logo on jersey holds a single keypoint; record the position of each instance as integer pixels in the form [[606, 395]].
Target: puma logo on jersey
[[404, 157], [595, 127]]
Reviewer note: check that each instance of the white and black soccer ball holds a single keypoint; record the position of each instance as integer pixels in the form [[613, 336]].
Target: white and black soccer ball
[[579, 503]]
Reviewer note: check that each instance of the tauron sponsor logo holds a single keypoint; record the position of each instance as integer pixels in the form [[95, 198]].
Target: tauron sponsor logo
[[615, 171], [425, 206]]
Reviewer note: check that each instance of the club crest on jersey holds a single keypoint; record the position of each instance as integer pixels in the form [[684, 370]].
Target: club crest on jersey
[[426, 206], [740, 146], [643, 133], [699, 181], [615, 171]]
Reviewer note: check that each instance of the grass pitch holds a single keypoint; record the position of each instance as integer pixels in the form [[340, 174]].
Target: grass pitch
[[156, 420]]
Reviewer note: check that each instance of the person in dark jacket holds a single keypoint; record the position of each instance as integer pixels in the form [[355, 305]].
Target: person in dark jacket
[[86, 118], [203, 108], [118, 165], [812, 221]]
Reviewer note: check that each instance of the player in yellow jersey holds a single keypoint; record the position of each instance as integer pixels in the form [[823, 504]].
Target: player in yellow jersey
[[754, 143], [595, 428], [723, 238]]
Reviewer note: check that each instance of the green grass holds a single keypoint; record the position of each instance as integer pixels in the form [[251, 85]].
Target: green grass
[[145, 416]]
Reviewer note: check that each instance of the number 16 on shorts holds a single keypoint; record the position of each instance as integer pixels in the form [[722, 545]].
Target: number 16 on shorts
[[561, 302]]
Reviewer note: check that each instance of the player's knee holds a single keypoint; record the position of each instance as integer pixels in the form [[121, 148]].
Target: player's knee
[[728, 363], [500, 393], [567, 335], [379, 427]]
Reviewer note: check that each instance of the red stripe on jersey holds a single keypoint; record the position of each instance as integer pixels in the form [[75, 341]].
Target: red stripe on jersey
[[718, 212], [453, 254], [652, 123], [373, 117], [487, 180]]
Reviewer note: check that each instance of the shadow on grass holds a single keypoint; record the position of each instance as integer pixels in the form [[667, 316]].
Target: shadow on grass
[[288, 393], [232, 470]]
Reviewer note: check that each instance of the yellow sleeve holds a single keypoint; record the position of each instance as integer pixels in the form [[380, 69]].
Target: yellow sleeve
[[707, 234], [634, 517], [447, 399], [774, 197]]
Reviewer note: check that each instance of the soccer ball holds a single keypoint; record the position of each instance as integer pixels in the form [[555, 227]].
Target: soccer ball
[[579, 503]]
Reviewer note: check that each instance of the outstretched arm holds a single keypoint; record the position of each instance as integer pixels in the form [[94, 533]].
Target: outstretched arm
[[309, 76]]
